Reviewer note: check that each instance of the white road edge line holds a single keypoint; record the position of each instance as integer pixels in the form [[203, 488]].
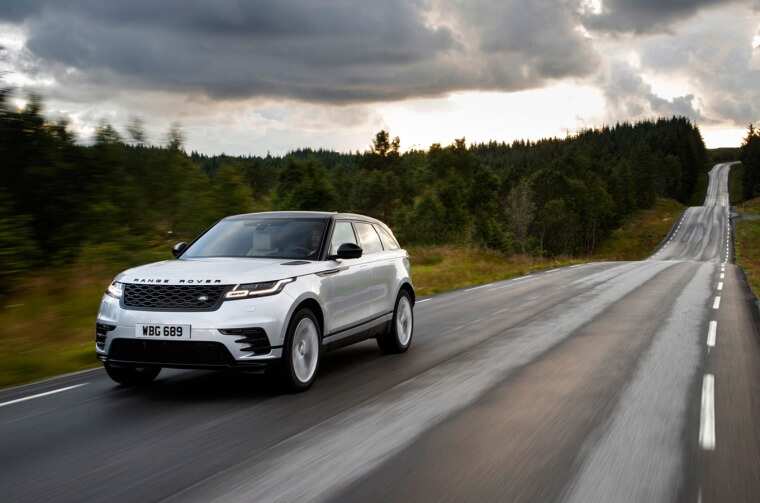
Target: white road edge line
[[39, 395], [478, 287], [716, 303], [712, 333], [707, 417]]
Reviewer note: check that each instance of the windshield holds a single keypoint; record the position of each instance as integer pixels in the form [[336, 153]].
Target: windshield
[[261, 238]]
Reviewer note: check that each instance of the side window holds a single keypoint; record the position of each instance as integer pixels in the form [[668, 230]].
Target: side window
[[389, 242], [370, 242], [342, 233]]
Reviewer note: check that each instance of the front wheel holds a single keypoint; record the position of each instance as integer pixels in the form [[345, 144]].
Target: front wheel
[[398, 337], [300, 356], [132, 376]]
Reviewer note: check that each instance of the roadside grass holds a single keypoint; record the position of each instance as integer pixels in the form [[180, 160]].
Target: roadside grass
[[640, 234], [736, 183], [48, 326], [437, 269], [747, 242]]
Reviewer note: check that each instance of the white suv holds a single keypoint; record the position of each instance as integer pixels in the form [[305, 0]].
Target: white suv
[[261, 291]]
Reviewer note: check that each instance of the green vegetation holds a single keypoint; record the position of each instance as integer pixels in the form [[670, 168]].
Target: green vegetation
[[736, 184], [640, 234], [724, 154], [550, 198], [48, 320], [72, 215], [747, 242], [750, 157], [438, 269], [745, 186]]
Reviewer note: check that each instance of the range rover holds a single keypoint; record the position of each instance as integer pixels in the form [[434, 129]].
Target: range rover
[[262, 291]]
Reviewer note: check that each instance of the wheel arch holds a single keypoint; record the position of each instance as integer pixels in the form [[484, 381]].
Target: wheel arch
[[312, 304], [407, 286]]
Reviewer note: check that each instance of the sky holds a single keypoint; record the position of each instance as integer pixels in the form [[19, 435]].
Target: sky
[[256, 77]]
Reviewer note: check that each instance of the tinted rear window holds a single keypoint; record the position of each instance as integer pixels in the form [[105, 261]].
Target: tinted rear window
[[389, 242], [369, 240]]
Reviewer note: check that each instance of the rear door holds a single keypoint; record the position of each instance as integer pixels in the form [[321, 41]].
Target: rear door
[[379, 264], [387, 271]]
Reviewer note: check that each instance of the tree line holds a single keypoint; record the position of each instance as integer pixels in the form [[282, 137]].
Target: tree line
[[750, 157], [59, 197]]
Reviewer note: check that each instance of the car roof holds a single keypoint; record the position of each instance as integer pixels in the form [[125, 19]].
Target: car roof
[[305, 214], [285, 214]]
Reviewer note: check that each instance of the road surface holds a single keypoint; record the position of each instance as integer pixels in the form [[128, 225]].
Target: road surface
[[617, 381]]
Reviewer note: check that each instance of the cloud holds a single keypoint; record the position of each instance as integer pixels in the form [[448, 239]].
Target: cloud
[[714, 53], [339, 51], [645, 16], [629, 97], [257, 75]]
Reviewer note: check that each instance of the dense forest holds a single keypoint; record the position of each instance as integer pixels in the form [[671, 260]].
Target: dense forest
[[750, 157], [59, 197]]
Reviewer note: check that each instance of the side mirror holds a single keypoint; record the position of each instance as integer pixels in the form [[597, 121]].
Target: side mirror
[[178, 249], [348, 250]]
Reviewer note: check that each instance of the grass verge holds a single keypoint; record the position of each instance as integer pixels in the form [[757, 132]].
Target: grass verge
[[747, 241], [437, 269], [639, 235], [48, 326]]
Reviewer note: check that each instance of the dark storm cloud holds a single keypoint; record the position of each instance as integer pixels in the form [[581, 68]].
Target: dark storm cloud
[[646, 16], [539, 37], [629, 97], [331, 51]]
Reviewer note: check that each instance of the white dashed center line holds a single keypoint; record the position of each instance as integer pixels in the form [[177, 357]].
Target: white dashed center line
[[720, 286], [712, 333], [707, 417], [716, 303]]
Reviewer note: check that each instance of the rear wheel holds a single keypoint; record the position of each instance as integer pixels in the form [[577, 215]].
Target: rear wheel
[[398, 337], [132, 376], [301, 351]]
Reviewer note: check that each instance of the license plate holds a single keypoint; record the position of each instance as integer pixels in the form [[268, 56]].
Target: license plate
[[154, 331]]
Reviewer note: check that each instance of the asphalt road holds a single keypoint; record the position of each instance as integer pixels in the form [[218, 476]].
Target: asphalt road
[[617, 381]]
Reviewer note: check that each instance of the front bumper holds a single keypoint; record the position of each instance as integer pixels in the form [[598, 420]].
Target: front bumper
[[267, 313]]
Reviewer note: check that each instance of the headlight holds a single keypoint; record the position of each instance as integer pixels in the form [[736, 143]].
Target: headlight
[[249, 290], [115, 290]]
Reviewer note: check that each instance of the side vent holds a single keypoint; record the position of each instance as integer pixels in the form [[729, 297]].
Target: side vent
[[253, 339], [101, 330]]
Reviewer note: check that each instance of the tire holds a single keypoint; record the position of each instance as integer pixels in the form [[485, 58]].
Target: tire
[[398, 337], [132, 376], [301, 352]]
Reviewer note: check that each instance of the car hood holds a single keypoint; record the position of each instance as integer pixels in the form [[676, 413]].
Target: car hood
[[219, 271]]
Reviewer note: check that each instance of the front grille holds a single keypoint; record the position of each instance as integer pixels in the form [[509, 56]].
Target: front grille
[[169, 352], [254, 339], [174, 297]]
